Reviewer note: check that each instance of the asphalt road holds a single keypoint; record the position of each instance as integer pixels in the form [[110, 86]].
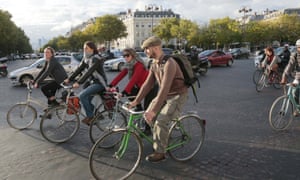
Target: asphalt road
[[239, 142]]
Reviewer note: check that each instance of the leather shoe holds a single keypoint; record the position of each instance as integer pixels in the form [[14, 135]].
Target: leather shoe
[[156, 157], [87, 120]]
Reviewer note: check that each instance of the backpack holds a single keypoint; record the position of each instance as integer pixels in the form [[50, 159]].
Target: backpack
[[189, 75]]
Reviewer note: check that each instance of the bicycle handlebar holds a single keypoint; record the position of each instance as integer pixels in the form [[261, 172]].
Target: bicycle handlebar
[[131, 111], [70, 86]]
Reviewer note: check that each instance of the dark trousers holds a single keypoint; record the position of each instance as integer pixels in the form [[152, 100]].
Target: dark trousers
[[50, 89]]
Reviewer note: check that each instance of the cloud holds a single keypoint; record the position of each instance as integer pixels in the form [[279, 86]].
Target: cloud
[[50, 18]]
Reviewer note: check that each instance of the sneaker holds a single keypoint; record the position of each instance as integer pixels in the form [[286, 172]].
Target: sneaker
[[156, 157], [87, 120]]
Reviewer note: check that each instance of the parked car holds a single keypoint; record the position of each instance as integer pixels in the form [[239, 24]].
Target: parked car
[[144, 57], [167, 51], [118, 63], [114, 64], [216, 57], [22, 75], [238, 53]]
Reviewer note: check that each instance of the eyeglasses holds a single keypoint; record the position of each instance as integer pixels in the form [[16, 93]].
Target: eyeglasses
[[126, 55]]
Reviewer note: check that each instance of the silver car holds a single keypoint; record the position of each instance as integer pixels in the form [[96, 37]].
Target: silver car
[[22, 75]]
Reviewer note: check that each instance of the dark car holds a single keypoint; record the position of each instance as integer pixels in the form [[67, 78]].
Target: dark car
[[238, 53], [216, 57], [167, 51]]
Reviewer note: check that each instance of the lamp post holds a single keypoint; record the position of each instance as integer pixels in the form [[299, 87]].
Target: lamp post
[[152, 8], [244, 10]]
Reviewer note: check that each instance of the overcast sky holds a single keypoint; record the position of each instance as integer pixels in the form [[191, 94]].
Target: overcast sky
[[50, 18]]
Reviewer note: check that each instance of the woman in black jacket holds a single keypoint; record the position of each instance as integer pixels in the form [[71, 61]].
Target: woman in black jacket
[[53, 68], [93, 76]]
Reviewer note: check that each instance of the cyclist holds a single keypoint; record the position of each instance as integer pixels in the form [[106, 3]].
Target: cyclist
[[93, 77], [171, 96], [293, 65], [137, 74], [271, 61], [285, 56], [53, 68]]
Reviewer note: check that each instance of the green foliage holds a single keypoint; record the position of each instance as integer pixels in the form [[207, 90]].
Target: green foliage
[[13, 39]]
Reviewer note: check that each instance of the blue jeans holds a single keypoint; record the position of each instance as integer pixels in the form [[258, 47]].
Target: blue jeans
[[86, 97]]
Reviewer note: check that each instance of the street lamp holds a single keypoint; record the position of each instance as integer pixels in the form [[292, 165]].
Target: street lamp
[[152, 8], [244, 10]]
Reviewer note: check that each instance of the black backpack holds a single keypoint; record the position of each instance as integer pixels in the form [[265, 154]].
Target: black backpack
[[190, 78]]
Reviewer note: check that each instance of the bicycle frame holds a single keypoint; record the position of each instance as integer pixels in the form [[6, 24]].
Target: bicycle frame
[[290, 97], [133, 128]]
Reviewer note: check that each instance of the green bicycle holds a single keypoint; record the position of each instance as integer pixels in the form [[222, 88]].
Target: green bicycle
[[281, 112], [117, 154]]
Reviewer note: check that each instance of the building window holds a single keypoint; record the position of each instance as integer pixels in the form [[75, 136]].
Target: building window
[[137, 25]]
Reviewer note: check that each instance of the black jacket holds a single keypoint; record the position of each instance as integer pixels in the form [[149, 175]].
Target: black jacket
[[97, 66], [53, 69]]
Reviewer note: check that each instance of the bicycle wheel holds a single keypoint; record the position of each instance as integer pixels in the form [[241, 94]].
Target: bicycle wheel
[[119, 161], [186, 137], [261, 83], [58, 126], [21, 116], [105, 121], [256, 75], [281, 113]]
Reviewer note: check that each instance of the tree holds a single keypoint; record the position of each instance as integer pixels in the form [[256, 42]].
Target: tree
[[12, 37], [163, 29], [106, 29]]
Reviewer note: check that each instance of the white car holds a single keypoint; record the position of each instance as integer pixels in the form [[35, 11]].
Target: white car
[[22, 75], [114, 64]]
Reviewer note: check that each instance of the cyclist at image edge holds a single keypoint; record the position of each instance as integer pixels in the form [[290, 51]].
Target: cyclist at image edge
[[270, 61], [53, 68], [285, 56], [293, 65], [171, 96], [93, 77], [137, 74]]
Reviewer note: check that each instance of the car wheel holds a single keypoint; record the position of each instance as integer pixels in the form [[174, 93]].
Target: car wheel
[[25, 79], [230, 62], [208, 64], [120, 66]]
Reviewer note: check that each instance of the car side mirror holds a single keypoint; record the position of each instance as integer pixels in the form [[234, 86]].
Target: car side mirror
[[39, 66]]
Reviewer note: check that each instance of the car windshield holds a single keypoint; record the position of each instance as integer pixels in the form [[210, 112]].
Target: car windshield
[[207, 52], [234, 50], [40, 61]]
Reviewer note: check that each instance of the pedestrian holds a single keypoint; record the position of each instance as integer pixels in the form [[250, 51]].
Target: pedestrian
[[169, 101], [54, 69], [137, 74], [93, 77]]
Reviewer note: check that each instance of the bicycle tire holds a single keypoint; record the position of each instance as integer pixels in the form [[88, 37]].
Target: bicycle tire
[[186, 137], [105, 121], [261, 83], [256, 75], [104, 162], [278, 118], [57, 126], [21, 116]]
